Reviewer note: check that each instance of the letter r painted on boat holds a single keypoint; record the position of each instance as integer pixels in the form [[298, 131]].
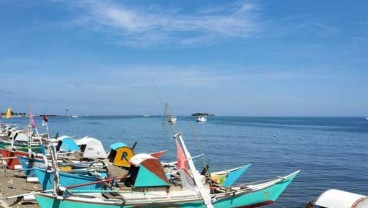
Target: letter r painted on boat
[[124, 156]]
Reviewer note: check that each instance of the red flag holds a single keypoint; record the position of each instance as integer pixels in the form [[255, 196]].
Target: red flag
[[182, 162], [45, 120]]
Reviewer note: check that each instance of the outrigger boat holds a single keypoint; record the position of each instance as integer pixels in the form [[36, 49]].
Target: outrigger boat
[[146, 185]]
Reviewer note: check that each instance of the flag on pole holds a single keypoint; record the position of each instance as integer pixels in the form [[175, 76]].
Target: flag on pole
[[44, 120], [8, 113], [31, 121], [182, 162]]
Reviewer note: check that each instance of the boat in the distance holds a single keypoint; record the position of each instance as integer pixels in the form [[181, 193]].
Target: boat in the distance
[[170, 117], [201, 119]]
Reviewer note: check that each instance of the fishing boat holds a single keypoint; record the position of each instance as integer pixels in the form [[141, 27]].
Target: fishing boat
[[18, 139], [76, 167], [11, 158], [201, 119], [170, 117], [116, 165], [46, 178], [148, 186], [67, 147]]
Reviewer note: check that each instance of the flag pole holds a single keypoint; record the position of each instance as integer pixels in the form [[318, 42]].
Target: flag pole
[[204, 194], [29, 131]]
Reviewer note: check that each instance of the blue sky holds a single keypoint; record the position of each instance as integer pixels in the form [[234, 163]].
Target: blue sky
[[251, 58]]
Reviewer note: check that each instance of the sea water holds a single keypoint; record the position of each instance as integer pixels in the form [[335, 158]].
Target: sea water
[[330, 152]]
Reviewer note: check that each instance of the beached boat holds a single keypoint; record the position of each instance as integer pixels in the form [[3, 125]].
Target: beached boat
[[65, 144], [84, 154], [76, 167], [11, 158], [18, 140], [148, 186], [201, 119], [244, 196], [46, 179]]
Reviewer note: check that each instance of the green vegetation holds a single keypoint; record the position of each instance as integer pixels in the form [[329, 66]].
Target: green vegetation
[[202, 114]]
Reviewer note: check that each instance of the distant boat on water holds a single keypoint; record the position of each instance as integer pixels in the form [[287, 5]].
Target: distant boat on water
[[201, 119], [170, 117]]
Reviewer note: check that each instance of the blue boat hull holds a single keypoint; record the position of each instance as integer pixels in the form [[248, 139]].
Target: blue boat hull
[[28, 164], [46, 180]]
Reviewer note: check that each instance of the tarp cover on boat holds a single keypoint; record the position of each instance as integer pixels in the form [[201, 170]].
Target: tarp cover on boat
[[342, 199], [67, 144], [21, 136], [147, 171], [120, 154], [92, 148]]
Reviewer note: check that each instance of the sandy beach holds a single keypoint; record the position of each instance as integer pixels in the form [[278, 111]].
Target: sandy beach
[[14, 183]]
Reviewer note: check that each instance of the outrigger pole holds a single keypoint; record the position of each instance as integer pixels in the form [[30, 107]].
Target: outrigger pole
[[204, 194]]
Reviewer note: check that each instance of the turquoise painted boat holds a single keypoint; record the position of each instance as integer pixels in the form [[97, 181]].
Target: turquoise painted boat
[[28, 164], [46, 179], [78, 168], [252, 195], [148, 186]]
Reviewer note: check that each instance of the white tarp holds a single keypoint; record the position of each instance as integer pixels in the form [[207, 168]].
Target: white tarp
[[21, 137], [137, 159], [342, 199], [94, 148]]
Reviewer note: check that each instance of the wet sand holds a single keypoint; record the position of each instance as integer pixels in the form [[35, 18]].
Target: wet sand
[[14, 183]]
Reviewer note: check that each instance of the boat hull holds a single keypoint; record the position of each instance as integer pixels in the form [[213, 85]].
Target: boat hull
[[46, 180], [21, 147], [265, 194], [12, 161], [28, 164]]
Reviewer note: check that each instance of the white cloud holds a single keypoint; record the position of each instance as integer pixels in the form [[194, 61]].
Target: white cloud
[[163, 25]]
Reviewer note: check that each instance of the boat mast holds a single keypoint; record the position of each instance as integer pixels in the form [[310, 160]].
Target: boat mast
[[204, 194]]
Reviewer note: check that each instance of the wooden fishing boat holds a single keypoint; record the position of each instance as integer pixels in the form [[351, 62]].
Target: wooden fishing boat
[[148, 186], [18, 140], [243, 196], [46, 179], [80, 167], [65, 145], [11, 158], [117, 164]]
